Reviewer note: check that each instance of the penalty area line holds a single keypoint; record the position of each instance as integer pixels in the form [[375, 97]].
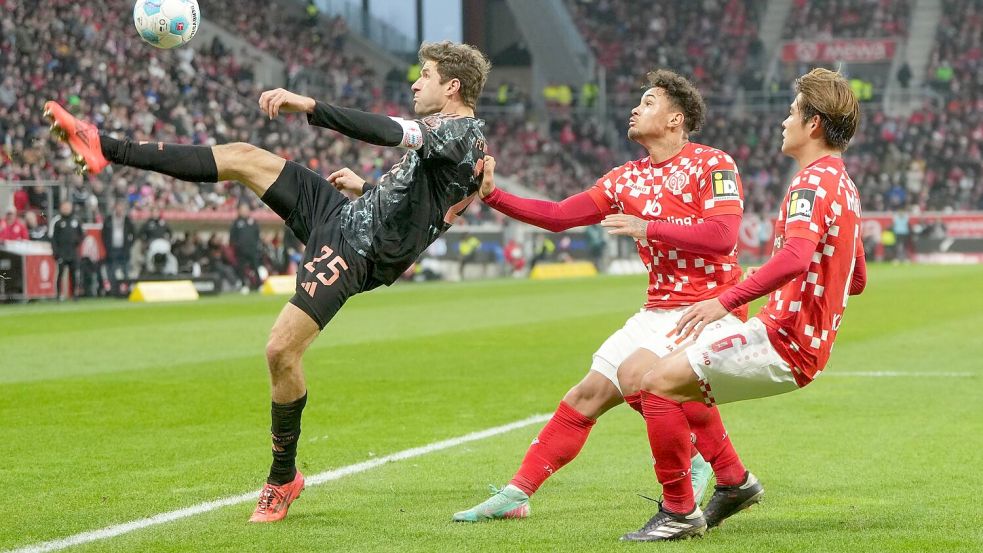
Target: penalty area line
[[314, 480]]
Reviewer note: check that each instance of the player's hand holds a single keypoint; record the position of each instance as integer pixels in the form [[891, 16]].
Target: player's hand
[[626, 225], [697, 317], [487, 168], [750, 271], [272, 102], [346, 180]]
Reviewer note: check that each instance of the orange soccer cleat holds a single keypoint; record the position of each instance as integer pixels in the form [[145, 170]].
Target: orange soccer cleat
[[275, 500], [82, 138]]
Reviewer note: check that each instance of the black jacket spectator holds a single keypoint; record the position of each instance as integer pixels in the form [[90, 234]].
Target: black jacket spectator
[[66, 237]]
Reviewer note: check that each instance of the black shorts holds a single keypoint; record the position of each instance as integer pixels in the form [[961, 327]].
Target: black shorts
[[331, 270]]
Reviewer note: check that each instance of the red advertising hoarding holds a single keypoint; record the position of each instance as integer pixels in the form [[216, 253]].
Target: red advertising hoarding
[[852, 50]]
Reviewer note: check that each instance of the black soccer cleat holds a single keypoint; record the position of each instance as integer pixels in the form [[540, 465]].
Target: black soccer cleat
[[668, 526], [729, 500]]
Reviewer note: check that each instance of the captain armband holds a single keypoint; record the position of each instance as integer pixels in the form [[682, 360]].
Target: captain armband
[[412, 133]]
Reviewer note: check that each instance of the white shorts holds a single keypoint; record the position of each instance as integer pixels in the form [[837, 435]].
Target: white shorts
[[734, 364], [646, 329]]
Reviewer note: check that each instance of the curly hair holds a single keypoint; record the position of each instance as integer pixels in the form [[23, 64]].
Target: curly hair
[[683, 94], [459, 61]]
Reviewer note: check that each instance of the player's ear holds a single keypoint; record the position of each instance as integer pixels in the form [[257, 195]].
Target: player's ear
[[815, 127], [453, 86], [677, 119]]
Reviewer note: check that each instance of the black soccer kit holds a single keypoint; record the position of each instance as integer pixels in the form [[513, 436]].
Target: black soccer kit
[[355, 246]]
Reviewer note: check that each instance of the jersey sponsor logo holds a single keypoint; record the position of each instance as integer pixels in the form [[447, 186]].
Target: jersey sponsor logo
[[652, 208], [800, 205], [725, 184], [677, 182]]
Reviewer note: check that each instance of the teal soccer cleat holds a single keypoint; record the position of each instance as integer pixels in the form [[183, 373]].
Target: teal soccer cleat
[[508, 502]]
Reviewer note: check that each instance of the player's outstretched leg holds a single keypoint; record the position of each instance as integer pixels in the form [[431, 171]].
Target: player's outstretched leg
[[81, 136], [252, 166], [292, 334], [558, 443]]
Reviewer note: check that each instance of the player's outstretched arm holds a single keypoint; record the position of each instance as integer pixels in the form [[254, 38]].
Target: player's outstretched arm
[[717, 235], [791, 261], [575, 211], [373, 128], [272, 102]]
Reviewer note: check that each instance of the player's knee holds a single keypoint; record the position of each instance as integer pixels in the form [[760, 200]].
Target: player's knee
[[592, 397], [280, 356], [655, 381], [630, 375], [231, 158], [241, 149]]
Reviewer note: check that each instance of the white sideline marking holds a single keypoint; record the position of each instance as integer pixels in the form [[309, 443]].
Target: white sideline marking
[[890, 374], [320, 478]]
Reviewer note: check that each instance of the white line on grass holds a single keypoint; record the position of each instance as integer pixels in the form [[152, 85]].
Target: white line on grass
[[314, 480], [893, 374]]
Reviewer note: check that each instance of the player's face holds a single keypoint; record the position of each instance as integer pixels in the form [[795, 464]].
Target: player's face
[[651, 116], [795, 133], [428, 93]]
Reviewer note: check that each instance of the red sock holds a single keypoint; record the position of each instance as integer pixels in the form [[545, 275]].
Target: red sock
[[713, 442], [635, 402], [557, 444], [669, 438]]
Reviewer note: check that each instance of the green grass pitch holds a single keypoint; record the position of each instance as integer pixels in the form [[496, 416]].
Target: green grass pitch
[[111, 412]]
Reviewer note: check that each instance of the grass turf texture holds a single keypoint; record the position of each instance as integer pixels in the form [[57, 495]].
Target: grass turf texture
[[112, 412]]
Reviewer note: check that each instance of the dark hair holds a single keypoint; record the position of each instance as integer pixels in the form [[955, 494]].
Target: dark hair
[[682, 93], [828, 94], [459, 61]]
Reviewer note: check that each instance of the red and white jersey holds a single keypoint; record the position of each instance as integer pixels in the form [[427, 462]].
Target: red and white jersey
[[823, 206], [696, 183]]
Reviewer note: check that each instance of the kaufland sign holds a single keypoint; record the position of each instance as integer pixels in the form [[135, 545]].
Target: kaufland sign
[[856, 50]]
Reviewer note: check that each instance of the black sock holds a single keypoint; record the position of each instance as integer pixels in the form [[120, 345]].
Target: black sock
[[286, 432], [188, 163]]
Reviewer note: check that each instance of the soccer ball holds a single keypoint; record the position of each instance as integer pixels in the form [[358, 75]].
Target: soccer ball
[[166, 23]]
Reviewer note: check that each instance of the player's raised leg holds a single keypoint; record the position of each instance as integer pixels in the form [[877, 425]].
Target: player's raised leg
[[248, 164], [290, 337]]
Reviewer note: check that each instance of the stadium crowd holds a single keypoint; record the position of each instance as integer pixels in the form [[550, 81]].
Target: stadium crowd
[[824, 19]]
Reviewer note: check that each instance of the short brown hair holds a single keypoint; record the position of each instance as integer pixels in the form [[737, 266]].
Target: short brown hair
[[682, 93], [828, 94], [459, 61]]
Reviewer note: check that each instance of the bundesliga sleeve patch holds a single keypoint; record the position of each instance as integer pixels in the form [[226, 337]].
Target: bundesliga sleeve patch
[[725, 185], [800, 204], [412, 133]]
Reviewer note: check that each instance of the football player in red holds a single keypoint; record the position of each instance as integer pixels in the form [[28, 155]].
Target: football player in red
[[683, 204], [817, 263]]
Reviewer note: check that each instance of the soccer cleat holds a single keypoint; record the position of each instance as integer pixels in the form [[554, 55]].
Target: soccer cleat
[[700, 474], [275, 500], [508, 502], [668, 526], [729, 500], [81, 137]]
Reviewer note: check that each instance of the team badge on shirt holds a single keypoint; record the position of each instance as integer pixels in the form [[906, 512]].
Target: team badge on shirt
[[676, 182], [800, 205], [725, 184]]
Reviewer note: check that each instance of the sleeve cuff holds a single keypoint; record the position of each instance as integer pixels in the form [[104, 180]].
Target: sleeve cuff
[[493, 198]]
